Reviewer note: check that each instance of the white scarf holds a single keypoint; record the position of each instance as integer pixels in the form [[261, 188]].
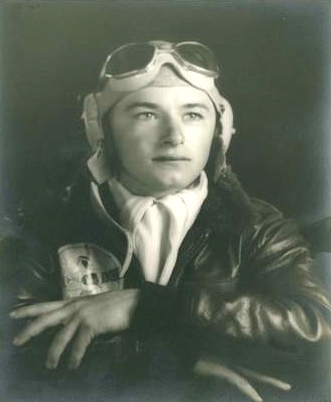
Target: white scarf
[[159, 225]]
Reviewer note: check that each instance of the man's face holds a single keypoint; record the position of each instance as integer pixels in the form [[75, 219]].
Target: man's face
[[162, 136]]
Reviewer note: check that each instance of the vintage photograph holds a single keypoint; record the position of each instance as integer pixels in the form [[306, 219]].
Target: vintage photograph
[[165, 201]]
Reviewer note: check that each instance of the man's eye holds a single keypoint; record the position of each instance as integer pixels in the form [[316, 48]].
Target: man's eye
[[146, 116], [193, 116]]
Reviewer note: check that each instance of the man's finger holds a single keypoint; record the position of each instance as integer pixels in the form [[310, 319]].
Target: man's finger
[[220, 371], [60, 342], [36, 309], [266, 379], [39, 325], [80, 345]]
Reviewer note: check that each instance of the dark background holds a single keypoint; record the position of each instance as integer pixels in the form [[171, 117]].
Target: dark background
[[275, 63]]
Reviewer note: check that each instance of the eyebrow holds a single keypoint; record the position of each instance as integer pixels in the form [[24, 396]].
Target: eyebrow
[[149, 105], [194, 105], [152, 105]]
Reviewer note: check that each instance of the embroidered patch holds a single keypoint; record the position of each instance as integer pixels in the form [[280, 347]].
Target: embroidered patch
[[88, 269]]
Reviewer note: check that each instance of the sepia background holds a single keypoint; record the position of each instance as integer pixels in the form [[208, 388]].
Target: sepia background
[[275, 64]]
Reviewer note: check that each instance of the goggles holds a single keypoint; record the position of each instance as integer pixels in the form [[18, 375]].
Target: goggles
[[138, 58], [134, 65]]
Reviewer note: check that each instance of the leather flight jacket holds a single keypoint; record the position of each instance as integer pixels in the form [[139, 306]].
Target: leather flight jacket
[[244, 290]]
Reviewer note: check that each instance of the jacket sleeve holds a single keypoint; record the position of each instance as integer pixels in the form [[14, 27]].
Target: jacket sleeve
[[277, 299], [28, 276]]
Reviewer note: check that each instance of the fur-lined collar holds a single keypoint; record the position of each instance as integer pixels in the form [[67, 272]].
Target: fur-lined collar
[[227, 207]]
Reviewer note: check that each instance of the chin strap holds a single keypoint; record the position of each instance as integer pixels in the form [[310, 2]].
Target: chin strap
[[98, 165]]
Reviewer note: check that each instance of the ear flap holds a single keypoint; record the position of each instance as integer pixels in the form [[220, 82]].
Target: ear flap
[[226, 120], [220, 160], [98, 163], [223, 139], [92, 121]]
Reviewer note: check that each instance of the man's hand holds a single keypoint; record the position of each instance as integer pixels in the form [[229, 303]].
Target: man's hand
[[82, 318], [238, 376]]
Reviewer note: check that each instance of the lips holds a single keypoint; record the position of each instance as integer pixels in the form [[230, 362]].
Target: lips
[[170, 158]]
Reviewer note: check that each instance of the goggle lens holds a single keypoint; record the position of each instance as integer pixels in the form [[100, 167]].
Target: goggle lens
[[130, 58], [197, 55]]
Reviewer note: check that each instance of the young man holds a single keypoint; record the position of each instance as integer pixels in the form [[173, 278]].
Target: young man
[[158, 267]]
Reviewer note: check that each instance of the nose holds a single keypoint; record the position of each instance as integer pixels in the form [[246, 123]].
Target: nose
[[173, 134]]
